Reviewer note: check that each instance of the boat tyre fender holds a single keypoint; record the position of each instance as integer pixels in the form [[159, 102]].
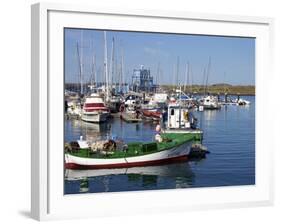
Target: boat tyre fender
[[74, 146], [67, 147], [110, 145]]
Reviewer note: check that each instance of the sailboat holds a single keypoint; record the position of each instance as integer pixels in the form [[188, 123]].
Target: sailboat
[[209, 102], [94, 108]]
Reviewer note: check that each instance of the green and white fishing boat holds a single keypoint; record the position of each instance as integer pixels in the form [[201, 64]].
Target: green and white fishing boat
[[172, 147]]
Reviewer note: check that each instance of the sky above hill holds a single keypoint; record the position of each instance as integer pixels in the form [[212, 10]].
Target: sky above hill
[[230, 59]]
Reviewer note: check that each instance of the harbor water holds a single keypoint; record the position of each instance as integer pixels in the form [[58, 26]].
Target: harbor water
[[229, 134]]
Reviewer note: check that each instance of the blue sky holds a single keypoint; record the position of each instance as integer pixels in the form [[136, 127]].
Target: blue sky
[[232, 58]]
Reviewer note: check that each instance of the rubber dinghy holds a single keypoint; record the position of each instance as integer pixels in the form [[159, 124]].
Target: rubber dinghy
[[172, 147]]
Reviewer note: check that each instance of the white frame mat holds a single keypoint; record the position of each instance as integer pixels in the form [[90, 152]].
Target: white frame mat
[[48, 200]]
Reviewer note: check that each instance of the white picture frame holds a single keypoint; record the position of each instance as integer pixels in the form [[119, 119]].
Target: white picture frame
[[48, 200]]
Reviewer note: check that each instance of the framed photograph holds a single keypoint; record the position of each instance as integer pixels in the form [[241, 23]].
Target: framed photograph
[[137, 112]]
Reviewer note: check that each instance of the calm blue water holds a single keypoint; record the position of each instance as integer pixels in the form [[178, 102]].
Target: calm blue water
[[229, 135]]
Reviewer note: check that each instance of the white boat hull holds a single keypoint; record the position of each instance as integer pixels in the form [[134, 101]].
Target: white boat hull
[[174, 154], [95, 117]]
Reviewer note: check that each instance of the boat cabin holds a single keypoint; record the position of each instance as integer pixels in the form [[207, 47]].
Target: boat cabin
[[94, 103], [179, 117]]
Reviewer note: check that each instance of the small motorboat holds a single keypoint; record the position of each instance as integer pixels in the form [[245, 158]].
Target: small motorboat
[[152, 115], [210, 103]]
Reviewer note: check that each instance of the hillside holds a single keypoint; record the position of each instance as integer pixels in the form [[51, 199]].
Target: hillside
[[220, 88]]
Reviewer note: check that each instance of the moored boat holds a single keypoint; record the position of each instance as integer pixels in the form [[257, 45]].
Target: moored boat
[[130, 110], [172, 147], [130, 117], [210, 103], [150, 114], [73, 109], [242, 102], [114, 103], [94, 109]]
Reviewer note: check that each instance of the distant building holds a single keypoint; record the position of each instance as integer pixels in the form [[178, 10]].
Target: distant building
[[142, 80]]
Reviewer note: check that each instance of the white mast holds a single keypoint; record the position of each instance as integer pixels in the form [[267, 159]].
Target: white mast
[[174, 75], [204, 82], [80, 60], [112, 63], [80, 67], [116, 68], [191, 80], [177, 74], [186, 76], [94, 71], [105, 67], [158, 74], [93, 80], [122, 69], [208, 72]]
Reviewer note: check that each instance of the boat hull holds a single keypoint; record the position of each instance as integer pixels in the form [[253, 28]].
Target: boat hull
[[176, 154], [212, 107], [130, 117], [95, 117], [153, 115]]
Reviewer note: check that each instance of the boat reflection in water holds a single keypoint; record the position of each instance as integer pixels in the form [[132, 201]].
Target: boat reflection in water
[[177, 175], [93, 132]]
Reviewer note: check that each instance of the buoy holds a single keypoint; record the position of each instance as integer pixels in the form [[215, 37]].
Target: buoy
[[158, 128], [158, 138]]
